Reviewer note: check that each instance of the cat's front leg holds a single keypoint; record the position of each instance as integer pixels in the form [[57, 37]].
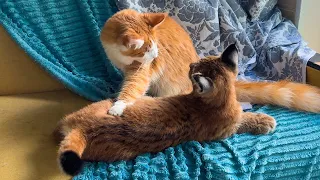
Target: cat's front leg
[[256, 123], [135, 85]]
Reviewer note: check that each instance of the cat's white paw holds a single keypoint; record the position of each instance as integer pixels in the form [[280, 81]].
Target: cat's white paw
[[117, 108]]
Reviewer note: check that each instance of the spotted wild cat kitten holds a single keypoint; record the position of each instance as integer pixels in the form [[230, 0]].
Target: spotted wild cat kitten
[[154, 52], [210, 112]]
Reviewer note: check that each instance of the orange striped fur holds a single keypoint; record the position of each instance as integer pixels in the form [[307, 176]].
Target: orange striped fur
[[284, 93], [166, 73]]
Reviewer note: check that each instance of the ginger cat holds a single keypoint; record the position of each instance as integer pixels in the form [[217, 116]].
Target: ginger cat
[[154, 52], [210, 112]]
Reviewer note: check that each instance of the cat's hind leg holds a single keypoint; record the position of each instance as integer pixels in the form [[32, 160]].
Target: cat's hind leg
[[256, 123]]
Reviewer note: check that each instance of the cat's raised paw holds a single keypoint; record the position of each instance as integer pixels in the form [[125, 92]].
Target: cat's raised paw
[[117, 108]]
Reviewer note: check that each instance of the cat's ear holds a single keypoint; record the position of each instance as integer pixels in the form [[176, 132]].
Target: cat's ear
[[204, 84], [154, 19], [230, 57], [133, 41]]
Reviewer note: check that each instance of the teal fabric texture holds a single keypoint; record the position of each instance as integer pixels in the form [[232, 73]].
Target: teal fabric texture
[[63, 37], [291, 152]]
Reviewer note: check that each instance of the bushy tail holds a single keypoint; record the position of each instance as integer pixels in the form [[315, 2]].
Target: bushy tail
[[283, 93], [70, 152]]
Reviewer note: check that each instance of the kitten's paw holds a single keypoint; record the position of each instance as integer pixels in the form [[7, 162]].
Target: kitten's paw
[[117, 108], [265, 124]]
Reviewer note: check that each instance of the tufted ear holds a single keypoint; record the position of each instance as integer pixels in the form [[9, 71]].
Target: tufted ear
[[204, 83], [154, 19], [230, 57]]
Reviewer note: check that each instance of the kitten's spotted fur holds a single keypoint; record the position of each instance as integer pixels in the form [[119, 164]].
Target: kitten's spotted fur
[[210, 112]]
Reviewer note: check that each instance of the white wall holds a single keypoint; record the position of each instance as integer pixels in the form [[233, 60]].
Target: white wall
[[309, 24]]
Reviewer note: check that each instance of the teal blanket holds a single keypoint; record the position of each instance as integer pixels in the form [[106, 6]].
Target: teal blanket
[[63, 37], [291, 152]]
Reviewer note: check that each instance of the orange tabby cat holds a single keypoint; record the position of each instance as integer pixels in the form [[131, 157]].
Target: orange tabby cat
[[154, 52], [210, 112]]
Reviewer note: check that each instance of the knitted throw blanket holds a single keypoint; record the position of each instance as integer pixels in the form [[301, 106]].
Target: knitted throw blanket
[[63, 37], [291, 152]]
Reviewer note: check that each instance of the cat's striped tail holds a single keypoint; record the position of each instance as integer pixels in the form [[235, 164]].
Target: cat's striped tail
[[70, 152], [283, 93]]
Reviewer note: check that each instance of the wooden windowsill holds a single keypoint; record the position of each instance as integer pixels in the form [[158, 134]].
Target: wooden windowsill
[[313, 71]]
